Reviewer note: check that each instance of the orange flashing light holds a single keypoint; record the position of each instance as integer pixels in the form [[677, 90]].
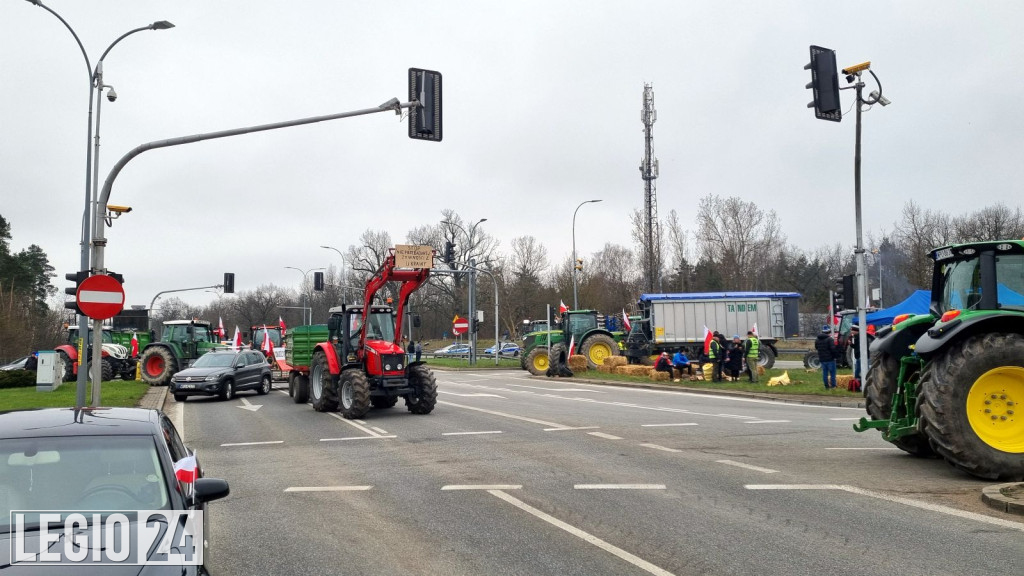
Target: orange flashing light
[[900, 318], [949, 315]]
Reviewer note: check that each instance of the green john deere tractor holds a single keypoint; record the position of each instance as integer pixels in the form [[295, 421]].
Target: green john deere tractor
[[182, 342], [951, 382], [578, 326]]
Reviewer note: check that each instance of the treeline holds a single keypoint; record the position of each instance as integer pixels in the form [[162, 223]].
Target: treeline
[[27, 321]]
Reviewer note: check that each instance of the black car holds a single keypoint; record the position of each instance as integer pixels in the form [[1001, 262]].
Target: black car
[[103, 460], [222, 373]]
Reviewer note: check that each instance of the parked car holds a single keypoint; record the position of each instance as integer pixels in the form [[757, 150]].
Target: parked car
[[104, 459], [18, 364], [222, 373], [453, 350], [507, 349]]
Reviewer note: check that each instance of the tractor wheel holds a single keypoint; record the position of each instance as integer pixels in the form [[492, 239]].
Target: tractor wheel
[[597, 348], [322, 385], [811, 360], [537, 361], [227, 391], [354, 393], [383, 401], [879, 387], [128, 375], [265, 386], [180, 397], [423, 400], [69, 368], [765, 357], [301, 395], [291, 384], [106, 370], [968, 400], [158, 365], [522, 361]]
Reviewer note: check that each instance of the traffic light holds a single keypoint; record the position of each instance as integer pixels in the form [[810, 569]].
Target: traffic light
[[77, 278], [116, 276], [229, 282], [318, 281], [824, 84], [579, 264], [449, 252], [425, 119], [842, 298]]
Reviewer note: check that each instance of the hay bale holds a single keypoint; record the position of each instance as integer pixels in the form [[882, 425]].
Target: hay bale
[[606, 369], [659, 376], [760, 370], [633, 370], [578, 363], [843, 380], [616, 361]]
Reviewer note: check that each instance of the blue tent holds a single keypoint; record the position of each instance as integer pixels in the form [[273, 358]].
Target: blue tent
[[916, 303]]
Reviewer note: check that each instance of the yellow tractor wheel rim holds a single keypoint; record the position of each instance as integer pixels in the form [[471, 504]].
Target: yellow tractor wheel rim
[[598, 352], [540, 362], [994, 406]]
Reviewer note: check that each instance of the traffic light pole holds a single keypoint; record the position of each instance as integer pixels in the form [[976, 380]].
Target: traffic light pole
[[472, 312], [861, 291]]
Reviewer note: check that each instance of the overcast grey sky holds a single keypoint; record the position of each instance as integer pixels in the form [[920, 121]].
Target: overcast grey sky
[[541, 111]]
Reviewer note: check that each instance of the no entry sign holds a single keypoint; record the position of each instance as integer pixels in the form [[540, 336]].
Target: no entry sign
[[100, 297], [460, 325]]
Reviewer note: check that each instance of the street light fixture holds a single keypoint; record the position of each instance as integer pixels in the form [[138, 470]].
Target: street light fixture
[[344, 285], [304, 280], [575, 304], [95, 81]]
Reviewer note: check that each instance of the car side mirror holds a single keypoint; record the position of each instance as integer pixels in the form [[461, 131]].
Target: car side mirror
[[209, 489]]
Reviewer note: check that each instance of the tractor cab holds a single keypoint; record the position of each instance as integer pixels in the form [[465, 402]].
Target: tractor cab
[[345, 326]]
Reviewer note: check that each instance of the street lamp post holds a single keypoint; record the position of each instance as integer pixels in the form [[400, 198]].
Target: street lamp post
[[344, 285], [575, 304], [471, 304], [304, 308], [95, 82]]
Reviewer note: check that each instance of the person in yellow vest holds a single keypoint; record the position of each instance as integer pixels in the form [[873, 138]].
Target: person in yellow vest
[[716, 355], [753, 349]]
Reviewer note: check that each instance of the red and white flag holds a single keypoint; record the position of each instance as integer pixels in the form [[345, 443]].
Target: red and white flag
[[562, 308], [135, 344], [280, 324], [268, 346], [754, 330], [572, 345], [236, 342], [625, 321], [707, 340], [220, 328], [186, 469]]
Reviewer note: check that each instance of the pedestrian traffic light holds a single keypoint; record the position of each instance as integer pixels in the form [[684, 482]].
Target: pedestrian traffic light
[[449, 252], [579, 264], [318, 281], [425, 117], [824, 84], [229, 282], [77, 278]]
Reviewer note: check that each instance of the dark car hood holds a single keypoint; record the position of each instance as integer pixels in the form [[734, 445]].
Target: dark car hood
[[76, 568], [200, 373]]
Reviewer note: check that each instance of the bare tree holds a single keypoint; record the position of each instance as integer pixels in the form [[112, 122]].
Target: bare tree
[[990, 223], [917, 234], [648, 251], [739, 238]]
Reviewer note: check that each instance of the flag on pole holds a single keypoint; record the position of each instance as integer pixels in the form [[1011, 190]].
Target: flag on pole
[[572, 344], [135, 344], [625, 321], [185, 470], [562, 308], [754, 330], [280, 324], [220, 328], [707, 340], [268, 346], [236, 342]]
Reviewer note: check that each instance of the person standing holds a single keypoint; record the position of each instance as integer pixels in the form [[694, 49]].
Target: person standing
[[855, 342], [734, 358], [827, 354], [716, 355], [752, 347], [419, 350]]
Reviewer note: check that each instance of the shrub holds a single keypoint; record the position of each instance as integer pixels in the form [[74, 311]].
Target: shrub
[[17, 378]]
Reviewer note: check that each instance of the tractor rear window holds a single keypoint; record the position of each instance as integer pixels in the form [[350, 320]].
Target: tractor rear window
[[962, 283], [1010, 278]]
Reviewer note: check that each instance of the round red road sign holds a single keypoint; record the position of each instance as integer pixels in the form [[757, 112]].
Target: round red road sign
[[460, 326], [100, 297]]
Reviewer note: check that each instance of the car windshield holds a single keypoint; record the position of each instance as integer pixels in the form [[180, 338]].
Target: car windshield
[[80, 473], [214, 361], [380, 326]]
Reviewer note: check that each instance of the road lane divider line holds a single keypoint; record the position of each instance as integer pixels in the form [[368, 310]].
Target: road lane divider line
[[378, 430], [605, 436], [326, 488], [667, 425], [558, 389], [473, 395], [504, 414], [358, 438], [253, 443], [482, 487], [589, 538], [358, 424], [876, 448], [470, 433], [747, 466], [896, 500], [766, 421], [563, 428], [843, 419], [619, 487], [659, 447]]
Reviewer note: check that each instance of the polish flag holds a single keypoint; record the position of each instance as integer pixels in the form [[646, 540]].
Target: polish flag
[[707, 340], [268, 346], [135, 344], [754, 330], [572, 345], [220, 328], [280, 324], [562, 308], [625, 321], [236, 341], [186, 469]]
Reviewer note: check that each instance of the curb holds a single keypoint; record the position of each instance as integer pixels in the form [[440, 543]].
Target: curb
[[994, 497], [154, 398]]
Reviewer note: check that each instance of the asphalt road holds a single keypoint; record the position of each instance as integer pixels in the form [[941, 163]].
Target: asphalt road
[[512, 475]]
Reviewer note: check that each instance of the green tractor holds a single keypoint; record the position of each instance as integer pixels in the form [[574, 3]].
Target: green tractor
[[182, 342], [578, 326], [951, 382]]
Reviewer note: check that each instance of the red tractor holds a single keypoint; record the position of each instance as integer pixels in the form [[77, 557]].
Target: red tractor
[[362, 364]]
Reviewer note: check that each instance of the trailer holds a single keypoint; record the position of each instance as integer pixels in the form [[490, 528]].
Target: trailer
[[669, 322]]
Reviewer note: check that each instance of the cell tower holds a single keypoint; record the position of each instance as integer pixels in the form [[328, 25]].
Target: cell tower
[[649, 173]]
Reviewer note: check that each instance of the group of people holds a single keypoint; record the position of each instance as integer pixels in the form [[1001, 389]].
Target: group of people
[[729, 359], [678, 363]]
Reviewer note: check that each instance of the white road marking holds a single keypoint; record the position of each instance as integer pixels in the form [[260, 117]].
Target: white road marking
[[326, 488], [475, 395], [895, 499], [747, 466], [843, 419], [503, 414], [378, 430], [605, 436], [358, 438], [634, 560], [619, 486], [659, 447], [562, 428], [470, 433], [482, 487], [766, 421], [246, 405], [882, 448], [253, 443], [356, 424], [664, 425], [559, 389]]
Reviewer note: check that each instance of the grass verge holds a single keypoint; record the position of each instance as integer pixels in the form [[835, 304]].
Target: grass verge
[[801, 382], [114, 393], [482, 363]]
